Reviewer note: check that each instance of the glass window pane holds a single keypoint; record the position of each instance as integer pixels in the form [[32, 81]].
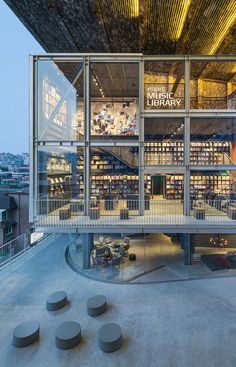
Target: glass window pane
[[114, 100], [164, 143], [213, 85], [60, 101], [114, 170], [166, 192], [164, 85], [114, 178], [213, 190], [60, 172], [213, 141]]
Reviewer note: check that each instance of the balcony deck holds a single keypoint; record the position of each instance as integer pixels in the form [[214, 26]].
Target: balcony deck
[[162, 216]]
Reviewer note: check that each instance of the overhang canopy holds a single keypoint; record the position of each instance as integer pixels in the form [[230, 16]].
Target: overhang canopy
[[146, 26]]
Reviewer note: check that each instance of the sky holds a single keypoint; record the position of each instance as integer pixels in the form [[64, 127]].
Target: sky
[[17, 44]]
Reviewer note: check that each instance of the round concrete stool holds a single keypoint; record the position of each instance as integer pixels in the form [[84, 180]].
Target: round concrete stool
[[56, 300], [25, 333], [110, 337], [96, 305], [68, 335]]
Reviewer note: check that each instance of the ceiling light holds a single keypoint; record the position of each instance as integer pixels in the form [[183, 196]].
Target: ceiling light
[[181, 22]]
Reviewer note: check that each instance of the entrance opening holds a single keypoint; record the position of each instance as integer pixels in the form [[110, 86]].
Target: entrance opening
[[158, 185]]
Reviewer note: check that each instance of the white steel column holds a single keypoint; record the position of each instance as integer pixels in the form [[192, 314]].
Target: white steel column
[[141, 138], [86, 135], [33, 129], [187, 139]]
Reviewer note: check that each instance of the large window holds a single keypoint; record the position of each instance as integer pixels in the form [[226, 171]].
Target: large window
[[213, 85], [164, 85], [60, 172], [114, 178], [214, 190], [164, 141], [60, 101], [114, 100], [213, 141]]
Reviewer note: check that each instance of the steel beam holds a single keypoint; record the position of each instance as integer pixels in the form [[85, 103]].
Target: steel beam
[[87, 136], [141, 139]]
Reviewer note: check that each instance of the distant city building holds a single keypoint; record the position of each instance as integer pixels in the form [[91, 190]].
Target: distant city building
[[14, 172], [14, 215]]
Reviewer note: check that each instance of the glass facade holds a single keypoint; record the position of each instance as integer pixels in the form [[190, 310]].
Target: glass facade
[[114, 90], [152, 135], [213, 85]]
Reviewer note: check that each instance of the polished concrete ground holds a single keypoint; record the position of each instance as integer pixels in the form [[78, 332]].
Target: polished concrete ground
[[177, 324]]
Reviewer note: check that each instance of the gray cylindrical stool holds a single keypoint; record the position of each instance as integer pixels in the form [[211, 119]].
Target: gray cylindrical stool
[[96, 305], [25, 333], [56, 300], [110, 337], [68, 335]]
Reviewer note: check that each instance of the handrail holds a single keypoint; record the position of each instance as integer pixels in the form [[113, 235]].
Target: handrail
[[18, 250]]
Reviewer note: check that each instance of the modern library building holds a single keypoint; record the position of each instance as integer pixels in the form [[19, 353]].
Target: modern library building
[[135, 150]]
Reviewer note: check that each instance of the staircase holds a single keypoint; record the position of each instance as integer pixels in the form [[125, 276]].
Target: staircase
[[124, 155]]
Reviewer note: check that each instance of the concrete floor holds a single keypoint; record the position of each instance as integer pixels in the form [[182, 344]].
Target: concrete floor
[[178, 324], [162, 213]]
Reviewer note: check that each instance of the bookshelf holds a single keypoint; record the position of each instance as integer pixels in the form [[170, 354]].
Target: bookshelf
[[172, 152], [218, 184], [209, 152], [165, 152], [174, 186]]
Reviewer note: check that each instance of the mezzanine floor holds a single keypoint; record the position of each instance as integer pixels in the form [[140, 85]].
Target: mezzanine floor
[[177, 324], [162, 216]]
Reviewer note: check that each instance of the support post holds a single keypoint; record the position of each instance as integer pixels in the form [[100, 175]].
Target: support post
[[141, 138], [87, 248], [187, 197], [187, 245], [87, 136]]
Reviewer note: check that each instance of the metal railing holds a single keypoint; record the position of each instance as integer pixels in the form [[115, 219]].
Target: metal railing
[[19, 250], [113, 212], [214, 208]]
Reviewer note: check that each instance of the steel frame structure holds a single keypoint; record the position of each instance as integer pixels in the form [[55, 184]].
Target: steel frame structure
[[186, 114]]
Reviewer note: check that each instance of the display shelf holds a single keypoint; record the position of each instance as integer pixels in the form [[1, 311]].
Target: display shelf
[[172, 152], [174, 187], [120, 185], [164, 152], [218, 184], [209, 152]]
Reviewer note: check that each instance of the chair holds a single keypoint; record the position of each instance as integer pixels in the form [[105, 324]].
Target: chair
[[108, 240], [99, 252], [98, 261], [115, 262], [123, 250], [126, 248], [101, 240]]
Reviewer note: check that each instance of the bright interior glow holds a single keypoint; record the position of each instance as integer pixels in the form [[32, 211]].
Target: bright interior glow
[[229, 22], [183, 17]]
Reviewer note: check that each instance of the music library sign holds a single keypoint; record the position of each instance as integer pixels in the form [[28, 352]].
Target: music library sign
[[157, 97]]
